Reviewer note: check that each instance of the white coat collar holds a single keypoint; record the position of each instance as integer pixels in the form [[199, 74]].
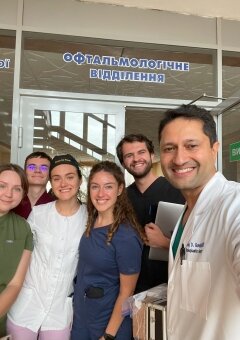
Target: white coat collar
[[208, 199]]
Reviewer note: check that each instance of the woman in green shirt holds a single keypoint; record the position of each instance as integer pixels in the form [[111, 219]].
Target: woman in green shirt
[[15, 238]]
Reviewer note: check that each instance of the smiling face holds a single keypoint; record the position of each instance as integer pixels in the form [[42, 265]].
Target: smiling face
[[11, 191], [37, 171], [104, 190], [136, 159], [65, 182], [187, 158]]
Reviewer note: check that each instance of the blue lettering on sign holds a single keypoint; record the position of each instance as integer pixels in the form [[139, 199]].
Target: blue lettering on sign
[[4, 63], [80, 58], [116, 75]]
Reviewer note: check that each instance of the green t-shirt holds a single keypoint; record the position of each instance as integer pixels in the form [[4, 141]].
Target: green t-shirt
[[15, 236]]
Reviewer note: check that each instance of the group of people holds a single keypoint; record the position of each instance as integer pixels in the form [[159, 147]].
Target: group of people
[[88, 259], [103, 266]]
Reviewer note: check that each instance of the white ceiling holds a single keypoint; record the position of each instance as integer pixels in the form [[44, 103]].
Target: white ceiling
[[228, 9]]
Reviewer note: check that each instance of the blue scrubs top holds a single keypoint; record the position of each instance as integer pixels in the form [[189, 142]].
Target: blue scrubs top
[[100, 265]]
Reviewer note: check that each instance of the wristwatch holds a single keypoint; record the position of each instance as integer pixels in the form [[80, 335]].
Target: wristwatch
[[108, 336]]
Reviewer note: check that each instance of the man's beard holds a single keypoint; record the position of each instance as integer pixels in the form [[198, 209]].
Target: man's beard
[[141, 174]]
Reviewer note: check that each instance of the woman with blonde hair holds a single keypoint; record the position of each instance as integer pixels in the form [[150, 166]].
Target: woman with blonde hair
[[15, 238]]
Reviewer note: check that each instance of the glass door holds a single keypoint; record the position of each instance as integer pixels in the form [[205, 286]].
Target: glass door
[[89, 130]]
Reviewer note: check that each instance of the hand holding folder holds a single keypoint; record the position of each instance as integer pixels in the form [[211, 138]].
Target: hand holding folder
[[166, 219]]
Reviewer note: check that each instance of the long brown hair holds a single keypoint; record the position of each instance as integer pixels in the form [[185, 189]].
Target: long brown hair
[[123, 211]]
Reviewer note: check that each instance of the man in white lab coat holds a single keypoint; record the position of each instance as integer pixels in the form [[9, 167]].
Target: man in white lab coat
[[204, 259]]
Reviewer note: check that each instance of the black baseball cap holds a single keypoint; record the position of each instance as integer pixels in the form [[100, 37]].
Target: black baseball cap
[[64, 159]]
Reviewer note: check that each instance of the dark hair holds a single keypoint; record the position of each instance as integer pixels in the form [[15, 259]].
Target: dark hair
[[191, 112], [131, 138], [123, 211], [37, 154], [64, 159], [16, 168]]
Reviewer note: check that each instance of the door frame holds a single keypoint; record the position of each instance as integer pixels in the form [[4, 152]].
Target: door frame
[[22, 143]]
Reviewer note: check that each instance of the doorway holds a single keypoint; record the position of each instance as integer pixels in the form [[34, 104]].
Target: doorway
[[86, 129]]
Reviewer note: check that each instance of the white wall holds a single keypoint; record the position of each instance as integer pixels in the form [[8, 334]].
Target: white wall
[[8, 13], [215, 8], [117, 23], [90, 19]]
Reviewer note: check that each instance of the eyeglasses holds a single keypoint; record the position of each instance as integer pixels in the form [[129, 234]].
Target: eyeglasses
[[34, 167]]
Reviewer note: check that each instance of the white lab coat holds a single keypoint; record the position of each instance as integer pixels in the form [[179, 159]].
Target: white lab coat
[[204, 291], [44, 300]]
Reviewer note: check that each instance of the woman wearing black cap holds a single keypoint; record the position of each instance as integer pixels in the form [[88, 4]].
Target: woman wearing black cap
[[43, 309]]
